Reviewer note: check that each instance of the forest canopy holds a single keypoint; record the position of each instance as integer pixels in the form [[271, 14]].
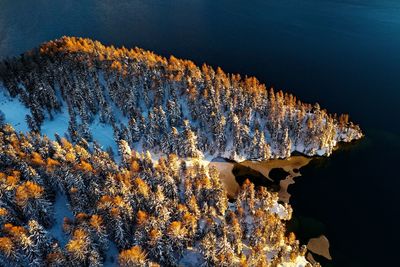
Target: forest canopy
[[167, 105], [150, 200]]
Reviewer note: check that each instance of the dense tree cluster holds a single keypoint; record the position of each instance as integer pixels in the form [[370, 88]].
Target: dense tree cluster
[[167, 105], [172, 211], [166, 212]]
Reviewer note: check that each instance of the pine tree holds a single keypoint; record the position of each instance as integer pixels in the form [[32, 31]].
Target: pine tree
[[174, 113], [189, 141], [134, 257], [2, 118], [134, 130], [125, 151]]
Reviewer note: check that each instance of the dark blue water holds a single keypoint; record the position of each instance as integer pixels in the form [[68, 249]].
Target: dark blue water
[[343, 54]]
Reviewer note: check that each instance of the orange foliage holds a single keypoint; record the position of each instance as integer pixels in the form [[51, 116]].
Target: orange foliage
[[51, 163], [259, 214], [142, 187], [124, 177], [141, 217], [188, 218], [155, 234], [12, 181], [27, 191], [292, 237], [119, 201], [21, 196], [193, 203], [344, 119], [175, 68], [3, 212], [15, 231], [115, 212], [15, 143], [66, 145], [116, 65], [70, 157], [206, 182], [6, 246], [85, 166], [106, 198], [37, 159], [134, 167], [77, 245], [96, 221], [72, 44], [198, 184], [182, 207], [83, 154], [240, 211], [293, 256], [132, 257], [175, 229], [73, 190], [67, 225], [79, 234], [22, 155]]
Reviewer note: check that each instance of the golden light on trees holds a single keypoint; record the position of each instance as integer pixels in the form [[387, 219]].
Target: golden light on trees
[[134, 167], [51, 164], [37, 159], [96, 221], [134, 256], [142, 187], [26, 191], [6, 246], [3, 212], [175, 229], [141, 217], [13, 230], [70, 157], [85, 166], [77, 246]]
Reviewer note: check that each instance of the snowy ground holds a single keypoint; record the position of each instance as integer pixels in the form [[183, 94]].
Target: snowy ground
[[111, 255], [14, 111], [61, 210], [299, 262], [103, 134], [59, 125]]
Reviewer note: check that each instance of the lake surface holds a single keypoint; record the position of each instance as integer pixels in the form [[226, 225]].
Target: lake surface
[[344, 54]]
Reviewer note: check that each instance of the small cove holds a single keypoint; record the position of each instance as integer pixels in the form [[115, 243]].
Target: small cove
[[277, 175]]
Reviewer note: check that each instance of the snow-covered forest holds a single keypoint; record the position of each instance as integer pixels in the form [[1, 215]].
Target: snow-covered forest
[[166, 105], [66, 201], [164, 213]]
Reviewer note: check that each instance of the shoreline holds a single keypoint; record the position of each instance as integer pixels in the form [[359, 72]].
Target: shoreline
[[232, 173]]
